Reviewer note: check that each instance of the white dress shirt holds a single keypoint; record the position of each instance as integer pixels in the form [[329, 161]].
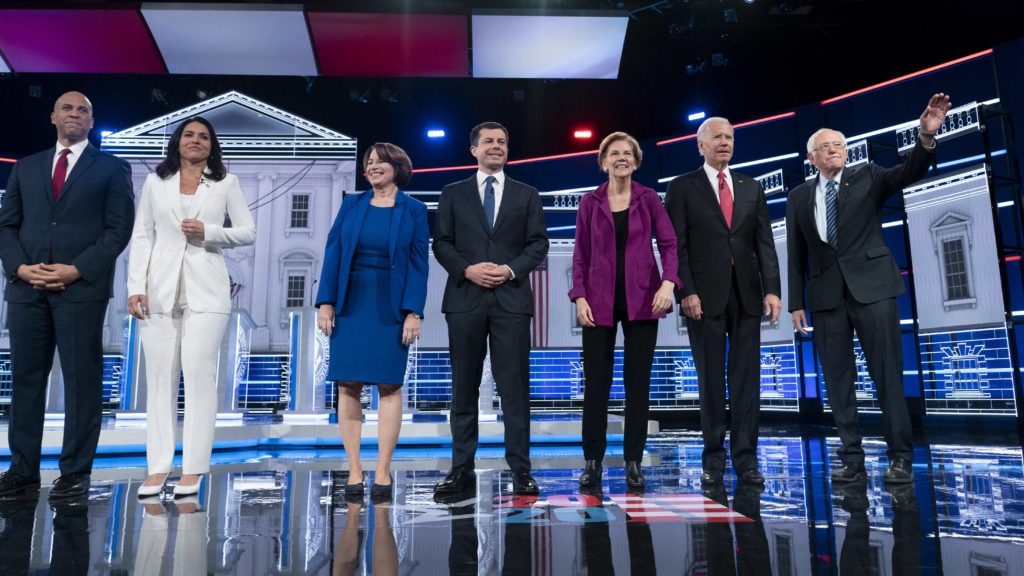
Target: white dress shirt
[[76, 153], [712, 173], [499, 189], [820, 209]]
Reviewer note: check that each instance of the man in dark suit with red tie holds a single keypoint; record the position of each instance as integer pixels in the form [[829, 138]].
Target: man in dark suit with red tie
[[730, 275], [489, 234], [837, 252], [66, 216]]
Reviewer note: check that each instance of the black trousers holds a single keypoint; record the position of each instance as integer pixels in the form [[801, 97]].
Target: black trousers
[[708, 338], [878, 328], [639, 340], [75, 329], [509, 337]]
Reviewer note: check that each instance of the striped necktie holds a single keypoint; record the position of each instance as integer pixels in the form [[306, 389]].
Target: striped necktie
[[831, 211]]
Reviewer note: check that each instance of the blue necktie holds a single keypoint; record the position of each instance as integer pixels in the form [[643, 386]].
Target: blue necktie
[[831, 211], [489, 202]]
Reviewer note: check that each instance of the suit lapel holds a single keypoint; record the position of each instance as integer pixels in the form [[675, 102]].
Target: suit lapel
[[705, 191], [202, 193], [171, 188], [83, 163], [740, 190], [472, 191], [358, 217], [396, 223]]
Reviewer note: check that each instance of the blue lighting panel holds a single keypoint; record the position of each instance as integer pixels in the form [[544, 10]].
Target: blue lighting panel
[[968, 372]]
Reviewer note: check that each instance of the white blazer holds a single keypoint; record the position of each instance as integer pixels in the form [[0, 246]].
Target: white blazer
[[160, 252]]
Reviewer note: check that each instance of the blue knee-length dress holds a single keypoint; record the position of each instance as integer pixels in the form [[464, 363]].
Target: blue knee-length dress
[[366, 344]]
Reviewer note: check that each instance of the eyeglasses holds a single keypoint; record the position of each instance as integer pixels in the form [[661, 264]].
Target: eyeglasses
[[837, 146]]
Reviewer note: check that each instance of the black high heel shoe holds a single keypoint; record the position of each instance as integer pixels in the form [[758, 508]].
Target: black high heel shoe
[[355, 490], [381, 493]]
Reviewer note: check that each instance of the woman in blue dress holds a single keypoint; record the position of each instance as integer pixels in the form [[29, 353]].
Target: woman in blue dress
[[373, 287]]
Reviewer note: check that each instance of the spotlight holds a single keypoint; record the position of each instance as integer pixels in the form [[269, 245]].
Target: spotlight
[[583, 134], [435, 133], [105, 133], [365, 97], [696, 116]]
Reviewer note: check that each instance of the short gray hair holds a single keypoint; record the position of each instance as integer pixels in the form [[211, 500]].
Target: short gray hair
[[704, 126], [819, 132]]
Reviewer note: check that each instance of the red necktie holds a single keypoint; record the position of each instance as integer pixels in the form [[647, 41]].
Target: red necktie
[[60, 173], [725, 197]]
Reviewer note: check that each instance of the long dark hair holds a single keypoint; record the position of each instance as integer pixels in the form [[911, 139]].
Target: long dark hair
[[215, 169]]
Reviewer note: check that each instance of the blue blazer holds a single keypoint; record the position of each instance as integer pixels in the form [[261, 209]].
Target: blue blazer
[[410, 238]]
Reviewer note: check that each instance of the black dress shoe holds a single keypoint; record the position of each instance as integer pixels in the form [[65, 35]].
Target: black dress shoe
[[711, 478], [523, 483], [635, 476], [70, 486], [850, 473], [751, 476], [14, 484], [899, 472], [590, 479], [457, 480]]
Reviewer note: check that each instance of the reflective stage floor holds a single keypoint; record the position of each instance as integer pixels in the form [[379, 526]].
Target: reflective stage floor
[[283, 512]]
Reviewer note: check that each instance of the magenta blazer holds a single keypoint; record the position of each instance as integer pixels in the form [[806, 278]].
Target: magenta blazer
[[593, 258]]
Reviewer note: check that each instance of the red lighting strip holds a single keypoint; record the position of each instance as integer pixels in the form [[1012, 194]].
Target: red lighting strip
[[1013, 258], [908, 76], [511, 163], [734, 126], [11, 160]]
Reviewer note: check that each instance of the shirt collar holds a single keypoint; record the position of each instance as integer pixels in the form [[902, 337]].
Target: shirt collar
[[76, 148], [822, 181], [481, 177], [712, 172]]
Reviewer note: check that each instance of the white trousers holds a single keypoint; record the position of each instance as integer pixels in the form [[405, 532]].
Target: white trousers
[[188, 343]]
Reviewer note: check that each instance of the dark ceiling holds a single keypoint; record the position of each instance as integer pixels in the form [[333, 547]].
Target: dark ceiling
[[727, 57]]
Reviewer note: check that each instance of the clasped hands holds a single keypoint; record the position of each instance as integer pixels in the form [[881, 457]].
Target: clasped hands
[[193, 229], [488, 274], [51, 277]]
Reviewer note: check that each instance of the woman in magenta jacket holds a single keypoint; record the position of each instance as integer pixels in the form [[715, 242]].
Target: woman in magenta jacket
[[615, 280]]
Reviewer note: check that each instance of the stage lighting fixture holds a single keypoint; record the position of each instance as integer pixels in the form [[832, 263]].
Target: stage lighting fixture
[[748, 1], [435, 133], [105, 133], [583, 134], [696, 116]]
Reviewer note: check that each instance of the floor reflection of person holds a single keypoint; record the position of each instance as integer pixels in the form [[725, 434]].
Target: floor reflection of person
[[751, 540], [18, 516], [373, 287], [854, 556], [462, 552], [350, 542], [70, 540], [385, 549], [180, 293], [906, 530]]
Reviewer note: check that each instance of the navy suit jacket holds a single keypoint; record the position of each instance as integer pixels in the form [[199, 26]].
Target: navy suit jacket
[[88, 225], [519, 239], [861, 261], [407, 248], [709, 250]]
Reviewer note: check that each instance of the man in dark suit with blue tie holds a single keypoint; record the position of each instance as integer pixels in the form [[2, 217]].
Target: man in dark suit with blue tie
[[66, 216], [730, 275], [838, 253], [490, 233]]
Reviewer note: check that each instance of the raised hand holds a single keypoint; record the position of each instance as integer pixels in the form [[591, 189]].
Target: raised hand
[[935, 113]]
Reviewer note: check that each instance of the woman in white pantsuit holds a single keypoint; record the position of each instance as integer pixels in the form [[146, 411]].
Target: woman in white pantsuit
[[181, 293]]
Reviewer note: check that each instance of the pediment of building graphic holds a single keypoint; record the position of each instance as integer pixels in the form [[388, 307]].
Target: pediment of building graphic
[[246, 128], [950, 219]]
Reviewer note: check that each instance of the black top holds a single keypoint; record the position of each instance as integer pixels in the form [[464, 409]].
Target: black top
[[621, 235]]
